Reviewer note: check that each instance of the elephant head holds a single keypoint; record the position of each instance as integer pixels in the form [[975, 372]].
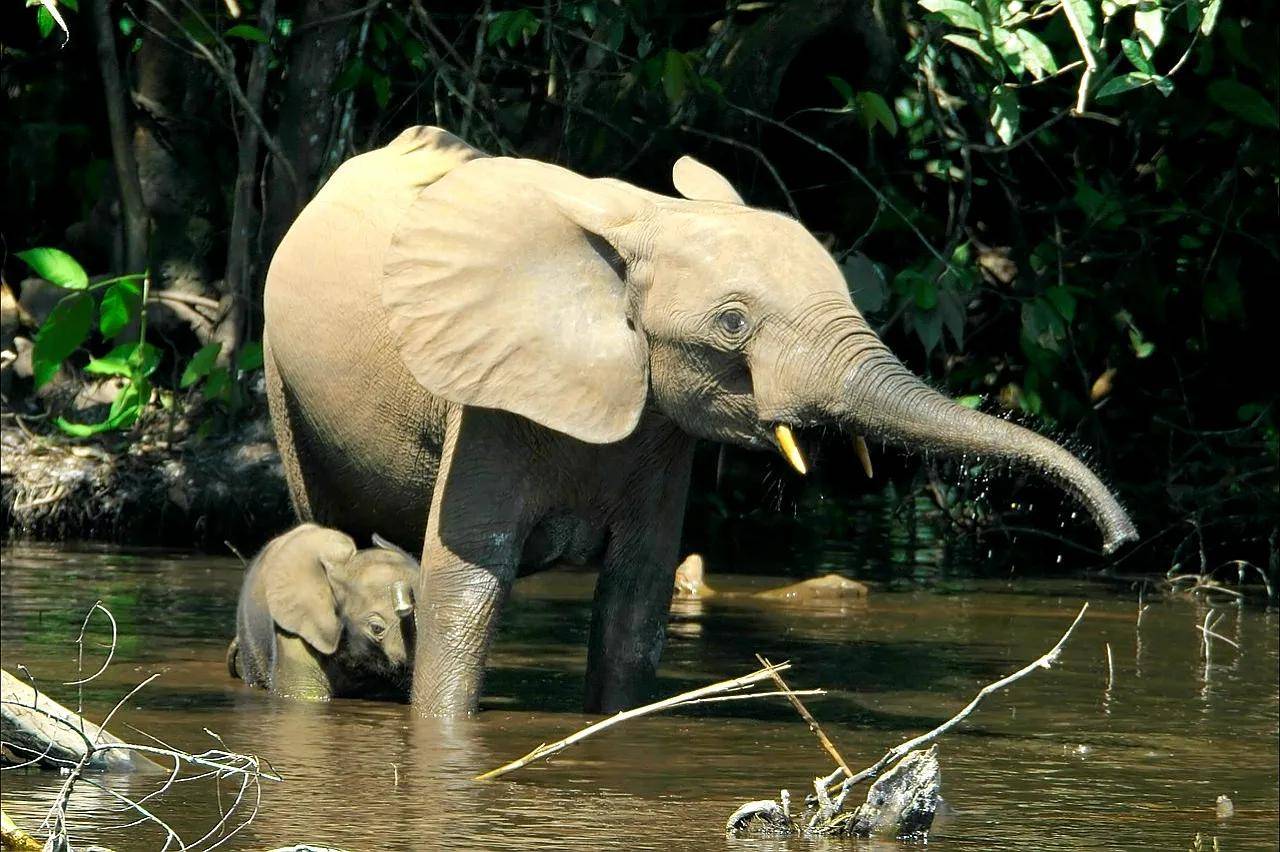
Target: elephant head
[[581, 303], [354, 606]]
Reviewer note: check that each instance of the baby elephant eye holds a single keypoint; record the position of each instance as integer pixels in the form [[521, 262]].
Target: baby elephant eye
[[377, 628], [732, 321]]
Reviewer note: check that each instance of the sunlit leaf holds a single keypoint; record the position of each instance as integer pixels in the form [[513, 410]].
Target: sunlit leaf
[[126, 359], [1082, 12], [56, 267], [1150, 23], [956, 13], [63, 331], [1036, 55], [1209, 16], [1005, 113], [972, 45], [1123, 83]]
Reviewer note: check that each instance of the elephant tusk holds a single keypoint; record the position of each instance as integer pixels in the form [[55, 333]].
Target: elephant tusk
[[864, 455], [790, 449], [403, 602]]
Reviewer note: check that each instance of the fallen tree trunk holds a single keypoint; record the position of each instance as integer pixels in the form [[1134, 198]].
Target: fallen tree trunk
[[36, 730]]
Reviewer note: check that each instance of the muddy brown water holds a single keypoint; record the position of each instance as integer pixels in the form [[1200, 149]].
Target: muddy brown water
[[1059, 761]]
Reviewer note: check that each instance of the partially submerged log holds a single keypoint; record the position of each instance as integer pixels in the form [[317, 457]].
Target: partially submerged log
[[901, 804], [36, 730]]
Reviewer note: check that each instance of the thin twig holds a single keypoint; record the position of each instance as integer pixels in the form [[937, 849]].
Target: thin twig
[[825, 741], [684, 698], [894, 754]]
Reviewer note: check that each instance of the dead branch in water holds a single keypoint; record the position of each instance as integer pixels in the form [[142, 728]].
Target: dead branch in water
[[703, 695], [827, 746], [38, 730]]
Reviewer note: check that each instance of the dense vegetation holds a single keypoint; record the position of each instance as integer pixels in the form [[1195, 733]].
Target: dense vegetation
[[1063, 209]]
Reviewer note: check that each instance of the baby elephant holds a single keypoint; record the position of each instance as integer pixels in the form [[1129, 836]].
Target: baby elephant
[[319, 619]]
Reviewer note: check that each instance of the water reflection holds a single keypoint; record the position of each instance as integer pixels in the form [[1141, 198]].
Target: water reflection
[[1041, 766]]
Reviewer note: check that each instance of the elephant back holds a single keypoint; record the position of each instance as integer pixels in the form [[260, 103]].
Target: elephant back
[[351, 405]]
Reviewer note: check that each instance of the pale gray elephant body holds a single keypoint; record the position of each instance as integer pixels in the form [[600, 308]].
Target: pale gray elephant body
[[319, 619], [510, 363]]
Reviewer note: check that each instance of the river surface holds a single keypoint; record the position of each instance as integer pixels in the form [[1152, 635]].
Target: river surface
[[1070, 758]]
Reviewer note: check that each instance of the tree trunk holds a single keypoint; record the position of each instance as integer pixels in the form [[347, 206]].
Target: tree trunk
[[315, 59], [133, 212]]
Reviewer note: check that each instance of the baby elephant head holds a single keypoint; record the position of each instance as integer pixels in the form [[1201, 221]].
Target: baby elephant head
[[355, 607]]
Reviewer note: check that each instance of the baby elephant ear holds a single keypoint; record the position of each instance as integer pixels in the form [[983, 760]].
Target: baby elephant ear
[[505, 286], [699, 182], [301, 600]]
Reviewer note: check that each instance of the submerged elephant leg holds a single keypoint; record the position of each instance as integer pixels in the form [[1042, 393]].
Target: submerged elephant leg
[[475, 532], [633, 596]]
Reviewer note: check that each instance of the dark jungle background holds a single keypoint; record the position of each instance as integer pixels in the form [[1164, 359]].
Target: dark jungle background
[[1061, 210]]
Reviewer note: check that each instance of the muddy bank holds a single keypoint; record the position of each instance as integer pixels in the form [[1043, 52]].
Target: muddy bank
[[194, 492]]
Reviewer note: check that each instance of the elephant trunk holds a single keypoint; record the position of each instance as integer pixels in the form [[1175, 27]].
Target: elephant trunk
[[880, 397]]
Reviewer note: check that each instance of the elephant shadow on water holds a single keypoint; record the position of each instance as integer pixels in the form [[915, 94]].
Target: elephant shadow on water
[[528, 357]]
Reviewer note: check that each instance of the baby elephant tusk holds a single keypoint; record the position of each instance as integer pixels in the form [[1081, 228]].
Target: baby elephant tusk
[[864, 455], [403, 600], [790, 449]]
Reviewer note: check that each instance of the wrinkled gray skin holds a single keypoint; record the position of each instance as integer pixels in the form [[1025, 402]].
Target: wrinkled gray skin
[[318, 619], [510, 363]]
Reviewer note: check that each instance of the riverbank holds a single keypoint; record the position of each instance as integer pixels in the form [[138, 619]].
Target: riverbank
[[144, 490]]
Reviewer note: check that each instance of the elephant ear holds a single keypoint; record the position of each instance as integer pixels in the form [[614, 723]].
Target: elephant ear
[[505, 287], [301, 601], [699, 182]]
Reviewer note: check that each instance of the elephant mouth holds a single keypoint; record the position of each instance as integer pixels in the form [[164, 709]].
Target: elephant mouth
[[784, 441]]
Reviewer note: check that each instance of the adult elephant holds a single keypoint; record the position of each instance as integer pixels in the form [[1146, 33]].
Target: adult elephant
[[510, 363]]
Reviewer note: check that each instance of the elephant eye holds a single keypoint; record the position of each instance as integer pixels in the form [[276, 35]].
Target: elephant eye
[[377, 628], [732, 322]]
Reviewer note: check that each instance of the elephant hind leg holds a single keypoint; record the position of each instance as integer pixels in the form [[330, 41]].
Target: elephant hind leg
[[283, 418]]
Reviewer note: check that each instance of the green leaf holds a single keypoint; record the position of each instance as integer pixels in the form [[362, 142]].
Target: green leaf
[[349, 77], [974, 401], [63, 331], [120, 306], [1036, 55], [44, 22], [127, 26], [1005, 113], [247, 32], [1244, 102], [1063, 302], [925, 293], [876, 111], [845, 90], [866, 283], [957, 13], [1136, 56], [1123, 83], [125, 360], [1141, 348], [381, 85], [972, 45], [951, 309], [217, 385], [201, 363], [675, 75], [56, 267], [249, 357], [1010, 49], [928, 327]]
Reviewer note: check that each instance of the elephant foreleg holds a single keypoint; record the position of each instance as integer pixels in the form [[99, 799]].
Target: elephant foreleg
[[475, 532], [633, 597]]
